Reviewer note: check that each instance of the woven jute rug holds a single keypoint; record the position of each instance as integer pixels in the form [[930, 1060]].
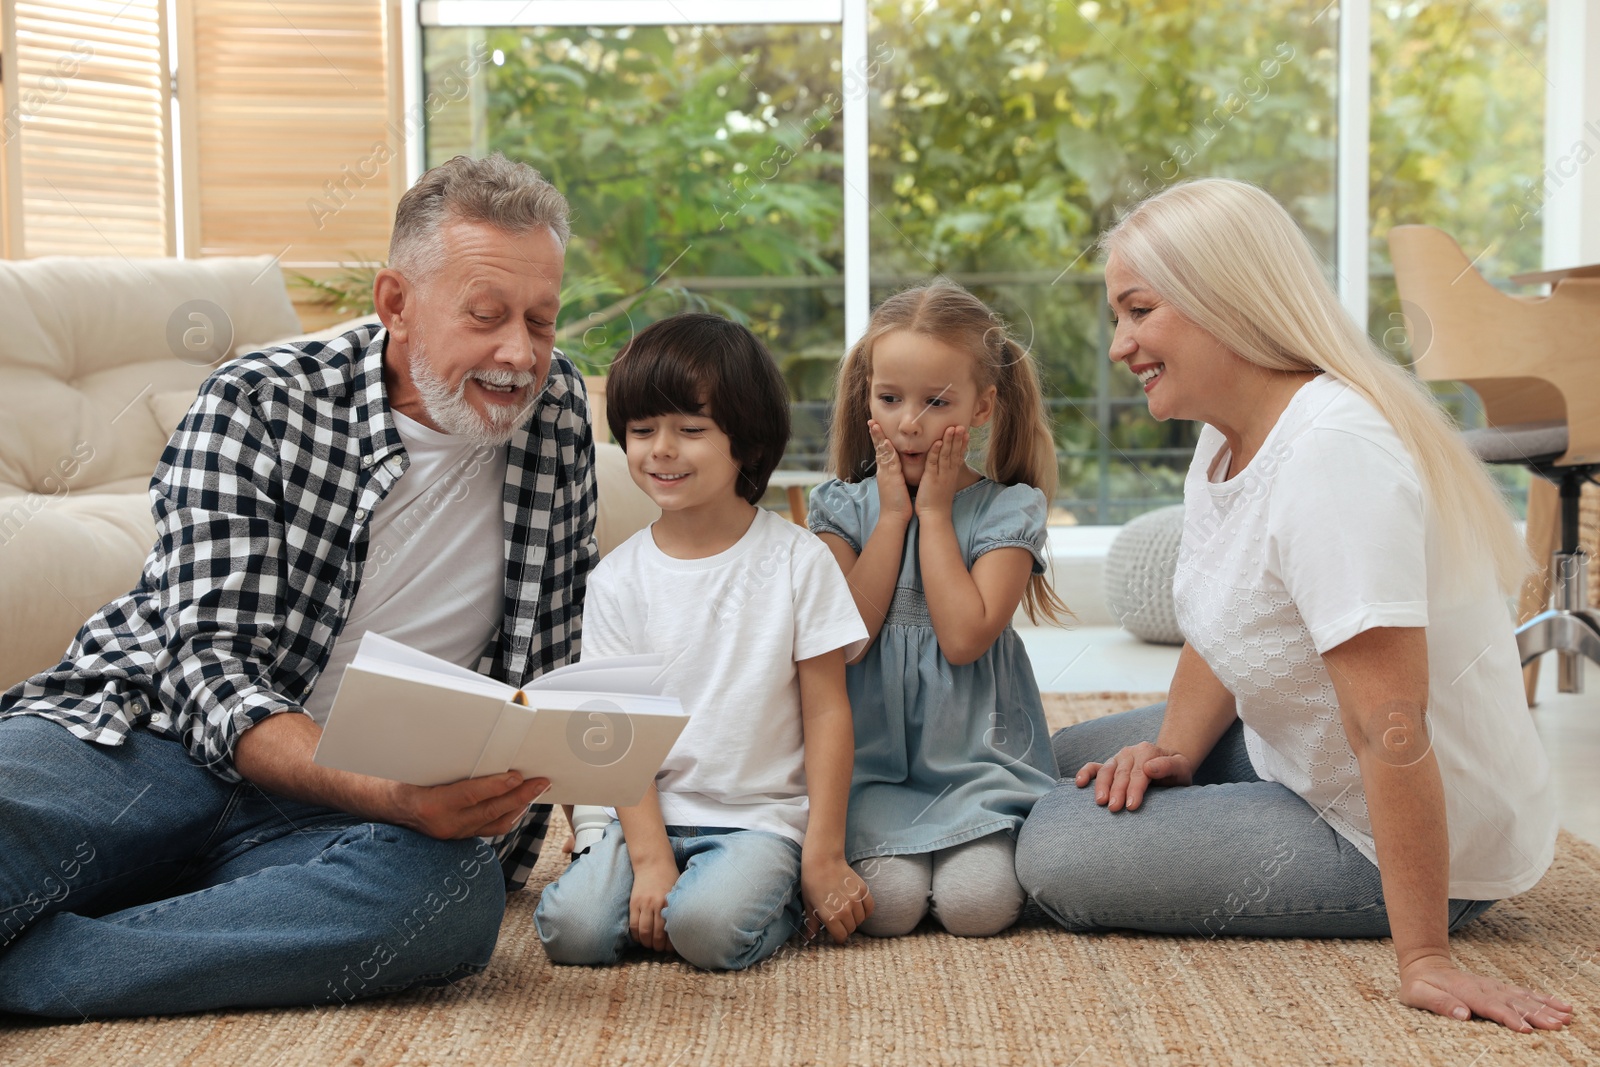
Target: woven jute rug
[[1032, 995]]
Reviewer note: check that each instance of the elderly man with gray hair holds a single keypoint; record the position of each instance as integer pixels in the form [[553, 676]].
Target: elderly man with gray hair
[[166, 842]]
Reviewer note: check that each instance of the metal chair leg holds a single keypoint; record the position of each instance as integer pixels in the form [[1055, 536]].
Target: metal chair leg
[[1570, 628], [1575, 634]]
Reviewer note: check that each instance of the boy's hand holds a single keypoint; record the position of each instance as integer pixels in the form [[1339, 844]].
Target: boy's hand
[[894, 499], [834, 896], [652, 881], [941, 474]]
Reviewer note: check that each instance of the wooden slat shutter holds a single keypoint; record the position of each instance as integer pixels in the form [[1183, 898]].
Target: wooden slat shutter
[[293, 143], [88, 156]]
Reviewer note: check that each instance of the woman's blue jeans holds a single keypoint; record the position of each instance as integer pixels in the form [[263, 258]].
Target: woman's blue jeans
[[1229, 855], [135, 882], [736, 901]]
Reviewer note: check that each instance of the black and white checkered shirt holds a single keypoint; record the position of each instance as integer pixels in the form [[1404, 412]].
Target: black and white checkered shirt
[[263, 500]]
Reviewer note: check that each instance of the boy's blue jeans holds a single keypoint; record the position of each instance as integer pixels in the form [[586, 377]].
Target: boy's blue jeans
[[735, 903], [135, 882], [1230, 855]]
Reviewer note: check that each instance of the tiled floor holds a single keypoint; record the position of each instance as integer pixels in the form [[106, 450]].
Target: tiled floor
[[1098, 658], [1088, 659], [1569, 723]]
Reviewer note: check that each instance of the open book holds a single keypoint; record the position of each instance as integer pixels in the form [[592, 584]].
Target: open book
[[599, 730]]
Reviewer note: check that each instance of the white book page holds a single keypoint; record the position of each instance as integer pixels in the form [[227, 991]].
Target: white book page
[[426, 734], [635, 681], [638, 681], [629, 703], [475, 684], [605, 663], [642, 674], [383, 655]]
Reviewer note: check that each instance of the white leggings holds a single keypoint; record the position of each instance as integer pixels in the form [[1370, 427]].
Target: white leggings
[[971, 888]]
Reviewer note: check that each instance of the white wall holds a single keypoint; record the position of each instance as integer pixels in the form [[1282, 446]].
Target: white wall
[[1572, 135]]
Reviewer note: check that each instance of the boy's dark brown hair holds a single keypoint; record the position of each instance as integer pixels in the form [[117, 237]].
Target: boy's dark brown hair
[[700, 364]]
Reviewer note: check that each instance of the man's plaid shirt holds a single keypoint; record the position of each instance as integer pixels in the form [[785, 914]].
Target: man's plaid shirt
[[262, 501]]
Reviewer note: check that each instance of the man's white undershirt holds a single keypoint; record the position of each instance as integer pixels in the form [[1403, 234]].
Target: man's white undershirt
[[435, 572]]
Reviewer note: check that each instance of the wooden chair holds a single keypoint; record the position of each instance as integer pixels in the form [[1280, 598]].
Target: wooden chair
[[1535, 364]]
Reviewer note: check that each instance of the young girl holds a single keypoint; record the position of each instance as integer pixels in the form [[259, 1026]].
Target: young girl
[[951, 744], [746, 818]]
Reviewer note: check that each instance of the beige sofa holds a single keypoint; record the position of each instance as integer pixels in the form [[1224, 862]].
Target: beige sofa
[[99, 358]]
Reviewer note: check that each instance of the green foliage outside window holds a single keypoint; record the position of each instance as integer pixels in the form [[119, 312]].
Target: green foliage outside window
[[685, 153], [704, 167]]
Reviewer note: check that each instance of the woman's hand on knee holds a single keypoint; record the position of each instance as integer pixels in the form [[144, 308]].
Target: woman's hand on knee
[[1438, 985], [1120, 782]]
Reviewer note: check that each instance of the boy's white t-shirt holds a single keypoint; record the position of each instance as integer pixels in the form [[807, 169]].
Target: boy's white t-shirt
[[732, 626], [1324, 535], [435, 572]]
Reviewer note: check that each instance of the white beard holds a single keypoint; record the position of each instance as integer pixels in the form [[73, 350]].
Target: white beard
[[453, 413]]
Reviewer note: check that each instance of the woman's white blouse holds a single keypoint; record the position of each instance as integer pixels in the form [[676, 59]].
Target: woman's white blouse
[[1324, 535]]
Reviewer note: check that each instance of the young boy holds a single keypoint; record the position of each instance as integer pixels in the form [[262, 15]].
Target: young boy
[[744, 826]]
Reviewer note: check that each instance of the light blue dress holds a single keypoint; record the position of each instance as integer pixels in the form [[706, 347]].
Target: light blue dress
[[944, 754]]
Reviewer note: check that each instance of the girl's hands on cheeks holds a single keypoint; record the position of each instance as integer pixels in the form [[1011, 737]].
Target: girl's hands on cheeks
[[941, 472], [894, 499], [651, 883], [1435, 984]]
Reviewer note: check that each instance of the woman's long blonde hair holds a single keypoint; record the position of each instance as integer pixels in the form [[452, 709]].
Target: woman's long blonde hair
[[1229, 258], [1020, 447]]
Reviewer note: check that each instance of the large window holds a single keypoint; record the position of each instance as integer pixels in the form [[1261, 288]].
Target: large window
[[1457, 142], [1003, 181], [709, 164]]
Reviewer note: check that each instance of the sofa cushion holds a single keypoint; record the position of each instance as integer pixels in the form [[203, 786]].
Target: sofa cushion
[[168, 409], [624, 509], [61, 559], [83, 340]]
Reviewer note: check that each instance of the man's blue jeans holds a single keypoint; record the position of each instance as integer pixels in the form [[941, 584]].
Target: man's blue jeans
[[135, 882], [735, 903], [1230, 855]]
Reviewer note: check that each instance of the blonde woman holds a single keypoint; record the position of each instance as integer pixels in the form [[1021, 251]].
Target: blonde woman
[[1345, 750]]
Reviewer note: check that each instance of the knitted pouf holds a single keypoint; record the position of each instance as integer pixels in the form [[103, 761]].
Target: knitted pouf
[[1138, 575]]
